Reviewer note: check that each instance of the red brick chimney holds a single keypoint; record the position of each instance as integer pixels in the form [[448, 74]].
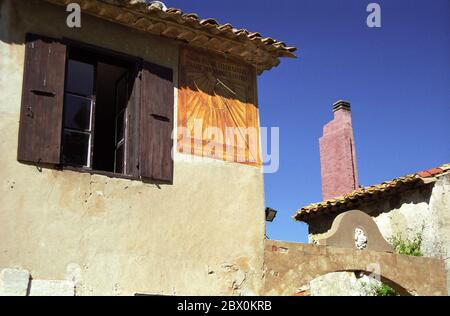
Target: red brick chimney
[[337, 154]]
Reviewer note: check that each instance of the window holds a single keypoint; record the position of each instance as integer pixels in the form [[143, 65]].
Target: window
[[95, 111], [78, 113]]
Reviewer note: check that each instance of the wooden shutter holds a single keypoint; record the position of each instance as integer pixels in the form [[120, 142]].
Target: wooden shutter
[[156, 123], [133, 123], [42, 101]]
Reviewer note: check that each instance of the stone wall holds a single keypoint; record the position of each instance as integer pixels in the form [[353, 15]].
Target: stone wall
[[202, 235], [425, 211], [18, 282]]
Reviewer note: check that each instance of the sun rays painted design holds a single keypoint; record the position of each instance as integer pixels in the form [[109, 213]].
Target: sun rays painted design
[[216, 103], [216, 96]]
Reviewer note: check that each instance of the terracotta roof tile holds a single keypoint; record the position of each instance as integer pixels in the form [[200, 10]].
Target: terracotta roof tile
[[263, 53], [367, 193]]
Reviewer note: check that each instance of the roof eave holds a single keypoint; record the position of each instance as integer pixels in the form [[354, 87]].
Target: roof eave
[[262, 53], [346, 203]]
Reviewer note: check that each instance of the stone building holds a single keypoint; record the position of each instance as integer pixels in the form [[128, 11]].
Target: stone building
[[94, 199], [416, 205]]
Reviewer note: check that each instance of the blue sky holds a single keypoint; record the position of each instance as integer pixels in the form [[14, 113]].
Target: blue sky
[[397, 78]]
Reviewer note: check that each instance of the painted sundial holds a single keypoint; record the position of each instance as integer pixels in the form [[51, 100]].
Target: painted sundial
[[217, 101]]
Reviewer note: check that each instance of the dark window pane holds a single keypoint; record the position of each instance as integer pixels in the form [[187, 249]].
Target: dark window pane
[[120, 127], [77, 113], [122, 94], [76, 148], [119, 159], [80, 78]]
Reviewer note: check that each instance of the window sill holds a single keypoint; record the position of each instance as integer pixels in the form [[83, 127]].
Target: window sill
[[101, 173]]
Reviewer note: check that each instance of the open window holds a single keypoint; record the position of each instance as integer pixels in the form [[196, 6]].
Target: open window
[[97, 95], [96, 111]]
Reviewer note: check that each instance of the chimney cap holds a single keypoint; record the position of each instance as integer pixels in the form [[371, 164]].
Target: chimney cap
[[341, 104]]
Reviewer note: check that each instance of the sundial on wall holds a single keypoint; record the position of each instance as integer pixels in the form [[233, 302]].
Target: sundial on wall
[[217, 94]]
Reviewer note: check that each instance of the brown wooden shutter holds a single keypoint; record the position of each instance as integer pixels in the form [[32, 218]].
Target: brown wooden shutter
[[133, 124], [156, 123], [42, 101]]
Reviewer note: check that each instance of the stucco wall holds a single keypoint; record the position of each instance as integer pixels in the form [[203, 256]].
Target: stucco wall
[[291, 266], [425, 211], [412, 216], [202, 235], [440, 203]]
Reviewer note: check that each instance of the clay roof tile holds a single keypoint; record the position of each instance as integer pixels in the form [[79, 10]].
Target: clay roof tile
[[263, 53], [369, 192]]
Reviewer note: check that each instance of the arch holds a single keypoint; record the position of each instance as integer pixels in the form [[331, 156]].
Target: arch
[[334, 283], [290, 265], [401, 289]]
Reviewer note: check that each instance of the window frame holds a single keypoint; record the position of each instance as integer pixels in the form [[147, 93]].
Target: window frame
[[91, 130], [123, 142], [135, 64]]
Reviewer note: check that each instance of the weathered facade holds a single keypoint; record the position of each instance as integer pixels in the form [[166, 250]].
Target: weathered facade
[[202, 234]]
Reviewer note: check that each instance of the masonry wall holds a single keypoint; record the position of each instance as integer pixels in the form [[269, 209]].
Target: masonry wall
[[202, 235], [424, 210]]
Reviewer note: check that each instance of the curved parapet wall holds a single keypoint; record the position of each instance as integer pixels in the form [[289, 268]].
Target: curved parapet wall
[[356, 230]]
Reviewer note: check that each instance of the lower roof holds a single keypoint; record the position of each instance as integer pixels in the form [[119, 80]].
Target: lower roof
[[369, 194]]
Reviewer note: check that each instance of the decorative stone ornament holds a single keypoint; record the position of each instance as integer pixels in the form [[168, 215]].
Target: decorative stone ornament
[[356, 230], [360, 239]]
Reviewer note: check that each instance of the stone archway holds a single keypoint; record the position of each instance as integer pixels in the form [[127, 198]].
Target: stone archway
[[291, 265]]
